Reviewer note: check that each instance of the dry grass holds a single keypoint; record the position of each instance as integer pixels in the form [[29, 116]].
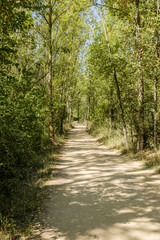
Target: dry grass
[[114, 139], [150, 158], [111, 138]]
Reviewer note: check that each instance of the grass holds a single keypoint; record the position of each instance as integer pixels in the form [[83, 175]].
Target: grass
[[111, 138], [150, 159]]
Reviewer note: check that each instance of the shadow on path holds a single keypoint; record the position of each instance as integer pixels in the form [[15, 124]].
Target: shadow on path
[[98, 194]]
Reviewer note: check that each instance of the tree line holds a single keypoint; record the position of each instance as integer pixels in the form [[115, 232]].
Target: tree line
[[123, 70], [41, 44]]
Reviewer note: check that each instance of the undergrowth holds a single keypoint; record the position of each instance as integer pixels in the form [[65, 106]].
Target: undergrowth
[[20, 208], [150, 159], [114, 139]]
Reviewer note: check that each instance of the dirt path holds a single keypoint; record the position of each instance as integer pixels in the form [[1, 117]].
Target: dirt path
[[98, 195]]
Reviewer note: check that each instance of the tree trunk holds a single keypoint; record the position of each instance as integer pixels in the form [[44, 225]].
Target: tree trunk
[[140, 82], [111, 110], [78, 108], [88, 111], [116, 82], [121, 108], [51, 119], [156, 82], [155, 108], [69, 109], [62, 120]]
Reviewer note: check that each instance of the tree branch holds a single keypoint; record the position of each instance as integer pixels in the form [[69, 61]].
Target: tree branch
[[45, 18], [58, 16], [117, 9]]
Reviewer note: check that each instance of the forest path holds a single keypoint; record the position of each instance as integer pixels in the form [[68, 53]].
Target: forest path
[[99, 195]]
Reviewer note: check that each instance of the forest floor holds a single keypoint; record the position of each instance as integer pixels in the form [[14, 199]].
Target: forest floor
[[96, 193]]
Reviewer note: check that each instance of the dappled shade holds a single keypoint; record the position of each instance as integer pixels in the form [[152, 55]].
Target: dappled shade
[[98, 194]]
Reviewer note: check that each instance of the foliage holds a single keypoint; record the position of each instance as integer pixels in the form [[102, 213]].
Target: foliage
[[24, 96], [69, 57], [121, 30], [113, 139]]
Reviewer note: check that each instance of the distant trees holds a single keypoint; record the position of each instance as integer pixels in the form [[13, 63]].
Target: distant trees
[[62, 34]]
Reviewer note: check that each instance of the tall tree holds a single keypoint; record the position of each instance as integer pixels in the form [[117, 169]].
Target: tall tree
[[50, 72], [115, 76], [140, 79], [156, 77]]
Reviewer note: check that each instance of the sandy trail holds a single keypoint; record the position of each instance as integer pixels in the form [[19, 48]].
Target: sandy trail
[[99, 195]]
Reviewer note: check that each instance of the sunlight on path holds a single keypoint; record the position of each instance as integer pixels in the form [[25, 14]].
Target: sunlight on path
[[97, 194]]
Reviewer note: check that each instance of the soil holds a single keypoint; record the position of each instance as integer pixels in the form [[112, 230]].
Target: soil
[[98, 194]]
